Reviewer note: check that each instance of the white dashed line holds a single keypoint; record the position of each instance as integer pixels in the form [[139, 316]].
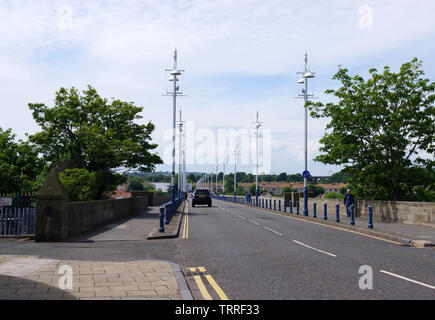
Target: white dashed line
[[271, 230], [407, 279], [307, 246], [253, 222]]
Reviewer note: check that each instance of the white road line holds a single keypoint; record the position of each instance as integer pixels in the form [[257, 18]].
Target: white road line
[[257, 224], [307, 246], [407, 279], [242, 217], [271, 230]]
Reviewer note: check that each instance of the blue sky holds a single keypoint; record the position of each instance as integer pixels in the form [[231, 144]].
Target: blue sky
[[239, 56]]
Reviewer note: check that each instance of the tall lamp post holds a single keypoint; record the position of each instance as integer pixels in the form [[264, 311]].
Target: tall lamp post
[[174, 73], [306, 74], [235, 170], [257, 126]]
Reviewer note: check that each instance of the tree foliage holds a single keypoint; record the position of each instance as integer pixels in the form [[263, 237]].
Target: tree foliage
[[94, 134], [380, 129], [20, 166]]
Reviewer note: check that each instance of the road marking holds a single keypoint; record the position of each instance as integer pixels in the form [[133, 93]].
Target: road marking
[[186, 224], [257, 224], [407, 279], [211, 281], [321, 224], [271, 230], [216, 287], [241, 217], [321, 251]]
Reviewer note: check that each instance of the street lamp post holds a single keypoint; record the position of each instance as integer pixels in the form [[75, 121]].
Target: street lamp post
[[235, 170], [175, 92], [257, 126], [307, 74]]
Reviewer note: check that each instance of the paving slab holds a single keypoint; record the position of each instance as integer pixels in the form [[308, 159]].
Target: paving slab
[[47, 280]]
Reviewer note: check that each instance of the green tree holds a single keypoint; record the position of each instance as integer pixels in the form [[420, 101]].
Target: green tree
[[316, 190], [282, 177], [135, 186], [229, 185], [378, 130], [94, 134], [288, 189], [79, 184], [21, 169], [252, 189], [339, 177]]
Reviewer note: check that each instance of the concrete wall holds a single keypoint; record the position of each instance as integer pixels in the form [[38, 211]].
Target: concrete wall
[[58, 219], [413, 213], [417, 213], [154, 199]]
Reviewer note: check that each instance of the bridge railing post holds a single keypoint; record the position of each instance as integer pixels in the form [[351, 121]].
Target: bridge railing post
[[162, 219], [370, 217]]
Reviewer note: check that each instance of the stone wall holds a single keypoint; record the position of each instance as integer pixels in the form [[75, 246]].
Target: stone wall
[[154, 199], [57, 219], [414, 213]]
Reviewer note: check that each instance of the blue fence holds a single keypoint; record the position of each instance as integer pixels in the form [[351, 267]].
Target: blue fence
[[168, 210], [264, 203], [17, 214]]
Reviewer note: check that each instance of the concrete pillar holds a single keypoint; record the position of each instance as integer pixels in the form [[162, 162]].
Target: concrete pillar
[[51, 215]]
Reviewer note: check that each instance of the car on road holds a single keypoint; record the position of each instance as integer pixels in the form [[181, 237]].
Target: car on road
[[201, 197]]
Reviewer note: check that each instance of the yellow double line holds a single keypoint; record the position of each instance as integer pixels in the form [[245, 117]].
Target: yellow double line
[[186, 222], [210, 280]]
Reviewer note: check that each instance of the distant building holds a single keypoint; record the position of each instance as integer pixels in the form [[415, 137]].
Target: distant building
[[277, 188], [162, 186]]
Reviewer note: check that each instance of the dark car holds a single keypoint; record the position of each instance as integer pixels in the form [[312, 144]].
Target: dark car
[[201, 197]]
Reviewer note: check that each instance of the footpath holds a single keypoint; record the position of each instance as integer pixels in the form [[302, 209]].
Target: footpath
[[38, 278]]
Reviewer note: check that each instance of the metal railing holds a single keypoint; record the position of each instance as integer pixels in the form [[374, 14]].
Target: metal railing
[[169, 209], [17, 214], [267, 204]]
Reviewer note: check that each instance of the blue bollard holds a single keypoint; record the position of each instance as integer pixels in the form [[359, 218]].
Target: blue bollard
[[279, 205], [370, 217], [285, 205], [162, 219], [337, 213], [297, 207], [314, 210], [352, 215], [270, 204], [262, 203], [274, 205], [291, 206], [267, 204], [325, 211], [167, 213]]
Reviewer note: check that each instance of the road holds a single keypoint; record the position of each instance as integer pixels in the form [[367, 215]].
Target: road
[[240, 253], [254, 254]]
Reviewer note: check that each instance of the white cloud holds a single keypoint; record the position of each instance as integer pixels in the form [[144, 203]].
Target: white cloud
[[122, 48]]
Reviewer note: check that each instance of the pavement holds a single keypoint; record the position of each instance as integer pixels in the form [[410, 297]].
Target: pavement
[[36, 278], [29, 277]]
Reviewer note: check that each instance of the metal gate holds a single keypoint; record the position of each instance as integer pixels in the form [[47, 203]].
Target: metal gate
[[17, 214]]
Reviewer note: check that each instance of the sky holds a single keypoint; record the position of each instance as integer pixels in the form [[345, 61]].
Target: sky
[[238, 56]]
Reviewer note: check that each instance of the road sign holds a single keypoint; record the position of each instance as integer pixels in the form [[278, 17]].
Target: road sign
[[306, 174]]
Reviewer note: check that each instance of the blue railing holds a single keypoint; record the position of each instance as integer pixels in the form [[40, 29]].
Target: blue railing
[[169, 209], [267, 204]]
